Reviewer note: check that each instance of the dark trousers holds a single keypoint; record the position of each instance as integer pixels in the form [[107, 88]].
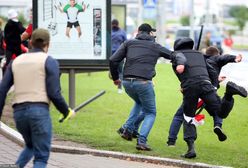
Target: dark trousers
[[9, 54], [214, 104]]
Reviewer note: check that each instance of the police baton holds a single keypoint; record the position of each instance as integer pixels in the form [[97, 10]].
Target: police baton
[[199, 39], [76, 109]]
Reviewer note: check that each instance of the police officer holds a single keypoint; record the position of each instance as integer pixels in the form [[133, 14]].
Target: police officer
[[141, 56], [199, 80], [35, 77], [217, 61]]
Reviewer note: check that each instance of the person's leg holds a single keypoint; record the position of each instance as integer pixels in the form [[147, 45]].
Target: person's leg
[[189, 131], [137, 124], [227, 101], [147, 99], [190, 101], [67, 33], [79, 31], [23, 127], [127, 129], [175, 126], [41, 125], [190, 135], [218, 128], [8, 56], [213, 106], [135, 131]]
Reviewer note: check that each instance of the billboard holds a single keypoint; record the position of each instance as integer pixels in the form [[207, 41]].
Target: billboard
[[80, 30]]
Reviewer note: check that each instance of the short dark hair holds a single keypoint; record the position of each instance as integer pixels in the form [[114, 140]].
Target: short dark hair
[[145, 27], [212, 51], [115, 22], [40, 38]]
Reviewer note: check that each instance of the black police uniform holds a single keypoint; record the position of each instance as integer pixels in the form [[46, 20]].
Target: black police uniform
[[198, 81]]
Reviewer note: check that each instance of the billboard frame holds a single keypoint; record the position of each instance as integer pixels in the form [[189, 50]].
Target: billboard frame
[[84, 64]]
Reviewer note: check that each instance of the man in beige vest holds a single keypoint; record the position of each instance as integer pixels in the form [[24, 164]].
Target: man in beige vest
[[35, 77]]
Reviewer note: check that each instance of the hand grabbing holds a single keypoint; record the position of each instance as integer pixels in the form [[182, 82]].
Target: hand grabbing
[[71, 113]]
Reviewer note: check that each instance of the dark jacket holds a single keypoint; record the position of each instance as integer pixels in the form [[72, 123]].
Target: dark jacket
[[1, 43], [218, 61], [141, 56], [12, 35], [196, 67], [118, 36]]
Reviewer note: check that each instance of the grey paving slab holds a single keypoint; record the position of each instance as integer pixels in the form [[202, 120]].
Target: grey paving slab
[[10, 151]]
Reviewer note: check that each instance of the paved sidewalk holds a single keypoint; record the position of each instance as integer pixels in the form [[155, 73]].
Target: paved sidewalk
[[80, 157], [9, 152]]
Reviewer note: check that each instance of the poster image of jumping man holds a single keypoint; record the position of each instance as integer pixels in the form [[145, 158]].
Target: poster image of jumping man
[[77, 27], [72, 10]]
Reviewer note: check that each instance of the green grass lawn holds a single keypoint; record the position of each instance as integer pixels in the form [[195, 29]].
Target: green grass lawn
[[96, 124]]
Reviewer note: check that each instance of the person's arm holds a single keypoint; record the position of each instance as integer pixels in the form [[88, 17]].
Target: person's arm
[[115, 60], [53, 85], [80, 8], [5, 85], [177, 58], [225, 59], [28, 32], [124, 36], [174, 56], [24, 36], [21, 28]]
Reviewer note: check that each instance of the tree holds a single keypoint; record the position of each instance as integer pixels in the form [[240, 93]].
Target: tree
[[240, 13], [22, 19], [185, 20]]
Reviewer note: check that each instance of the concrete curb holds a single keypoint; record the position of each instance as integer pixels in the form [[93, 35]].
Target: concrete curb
[[17, 138]]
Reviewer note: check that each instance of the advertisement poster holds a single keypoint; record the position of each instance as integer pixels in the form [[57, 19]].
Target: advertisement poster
[[77, 28]]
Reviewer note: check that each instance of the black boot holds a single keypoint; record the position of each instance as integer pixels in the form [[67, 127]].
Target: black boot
[[221, 135], [234, 89], [191, 150]]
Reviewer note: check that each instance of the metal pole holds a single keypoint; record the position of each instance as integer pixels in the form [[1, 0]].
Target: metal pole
[[161, 9], [192, 20], [140, 14], [208, 17], [72, 89]]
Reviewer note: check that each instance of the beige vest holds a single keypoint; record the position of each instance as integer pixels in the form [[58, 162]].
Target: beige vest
[[29, 78]]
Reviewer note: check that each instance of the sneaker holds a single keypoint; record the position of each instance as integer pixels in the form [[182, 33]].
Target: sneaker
[[127, 135], [171, 143], [218, 131], [143, 146], [234, 89]]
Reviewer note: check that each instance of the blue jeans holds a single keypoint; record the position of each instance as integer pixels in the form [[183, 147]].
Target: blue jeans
[[34, 123], [178, 120], [142, 93]]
